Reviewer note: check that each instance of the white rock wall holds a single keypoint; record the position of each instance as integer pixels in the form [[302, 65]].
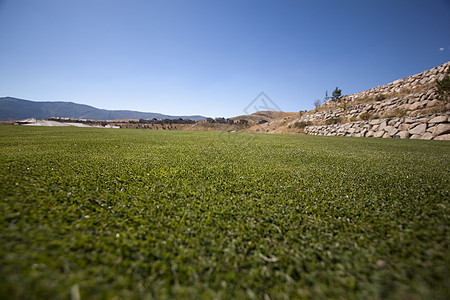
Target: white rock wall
[[411, 82], [413, 100], [426, 127]]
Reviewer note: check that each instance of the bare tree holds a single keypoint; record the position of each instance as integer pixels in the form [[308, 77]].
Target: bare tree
[[318, 103]]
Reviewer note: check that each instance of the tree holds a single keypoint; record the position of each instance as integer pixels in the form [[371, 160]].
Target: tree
[[337, 94], [318, 103], [443, 88]]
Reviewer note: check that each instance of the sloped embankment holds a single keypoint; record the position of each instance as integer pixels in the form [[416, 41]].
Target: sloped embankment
[[405, 108]]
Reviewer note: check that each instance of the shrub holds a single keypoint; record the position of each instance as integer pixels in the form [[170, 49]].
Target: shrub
[[365, 116], [302, 124], [380, 97], [336, 120], [443, 88], [395, 113]]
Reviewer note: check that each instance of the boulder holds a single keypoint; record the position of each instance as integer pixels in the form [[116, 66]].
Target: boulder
[[375, 122], [415, 137], [383, 125], [441, 129], [363, 132], [391, 130], [424, 80], [423, 120], [427, 136], [438, 119], [415, 106], [370, 133], [431, 128], [402, 127], [403, 134], [419, 129], [444, 137], [433, 103], [378, 134]]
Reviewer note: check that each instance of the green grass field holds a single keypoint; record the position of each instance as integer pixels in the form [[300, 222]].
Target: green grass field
[[134, 214]]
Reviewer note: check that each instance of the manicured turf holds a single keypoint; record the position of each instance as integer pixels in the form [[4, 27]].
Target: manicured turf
[[137, 214]]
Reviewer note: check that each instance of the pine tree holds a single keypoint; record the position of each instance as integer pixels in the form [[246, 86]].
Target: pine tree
[[337, 94]]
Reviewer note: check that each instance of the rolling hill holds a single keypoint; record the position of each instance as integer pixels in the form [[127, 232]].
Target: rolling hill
[[17, 109]]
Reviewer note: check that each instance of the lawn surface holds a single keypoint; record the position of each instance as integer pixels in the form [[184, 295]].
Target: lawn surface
[[134, 214]]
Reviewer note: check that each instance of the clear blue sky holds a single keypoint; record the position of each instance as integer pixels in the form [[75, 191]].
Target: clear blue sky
[[213, 57]]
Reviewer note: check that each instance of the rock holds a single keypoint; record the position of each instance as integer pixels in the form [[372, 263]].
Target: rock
[[392, 130], [383, 125], [433, 103], [408, 121], [423, 120], [378, 134], [438, 119], [427, 136], [402, 127], [386, 135], [392, 122], [415, 137], [415, 106], [424, 80], [444, 137], [374, 122], [418, 130], [441, 129], [370, 133], [431, 128], [403, 134]]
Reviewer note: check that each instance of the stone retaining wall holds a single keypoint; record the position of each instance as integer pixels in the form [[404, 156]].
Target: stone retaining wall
[[402, 105], [411, 82], [410, 105], [427, 127]]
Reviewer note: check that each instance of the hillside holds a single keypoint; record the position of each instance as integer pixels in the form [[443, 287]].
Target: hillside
[[18, 109], [406, 108]]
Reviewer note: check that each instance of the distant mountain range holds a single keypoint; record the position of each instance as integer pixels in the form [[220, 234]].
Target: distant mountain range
[[17, 109]]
